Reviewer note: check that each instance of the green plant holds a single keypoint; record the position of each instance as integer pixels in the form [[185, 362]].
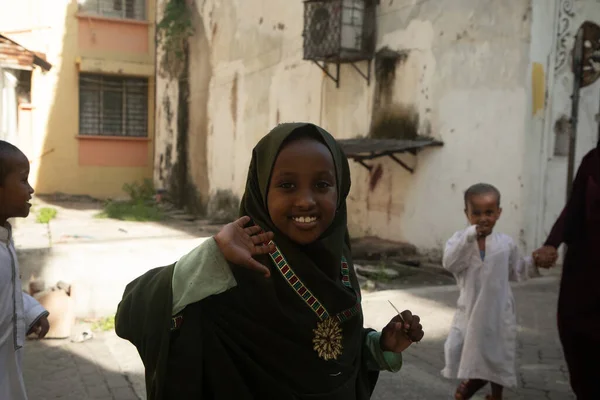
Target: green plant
[[173, 30], [44, 216], [128, 211], [140, 193], [104, 324], [141, 205]]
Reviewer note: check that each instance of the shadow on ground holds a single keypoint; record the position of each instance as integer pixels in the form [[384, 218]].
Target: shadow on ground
[[59, 369], [541, 369], [97, 367]]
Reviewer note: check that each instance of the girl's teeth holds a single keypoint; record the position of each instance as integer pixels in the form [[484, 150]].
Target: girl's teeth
[[305, 220]]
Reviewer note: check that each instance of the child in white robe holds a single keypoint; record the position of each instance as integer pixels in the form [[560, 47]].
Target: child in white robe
[[481, 345], [20, 314]]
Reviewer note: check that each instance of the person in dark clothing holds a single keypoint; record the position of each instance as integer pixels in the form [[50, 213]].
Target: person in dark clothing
[[578, 313], [270, 307]]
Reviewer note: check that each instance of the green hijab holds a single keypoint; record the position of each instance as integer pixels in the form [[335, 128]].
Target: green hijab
[[334, 243]]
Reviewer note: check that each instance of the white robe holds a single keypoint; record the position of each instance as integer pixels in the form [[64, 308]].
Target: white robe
[[482, 339], [18, 312]]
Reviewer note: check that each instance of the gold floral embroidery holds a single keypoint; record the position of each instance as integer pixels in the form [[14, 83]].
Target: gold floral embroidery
[[328, 339]]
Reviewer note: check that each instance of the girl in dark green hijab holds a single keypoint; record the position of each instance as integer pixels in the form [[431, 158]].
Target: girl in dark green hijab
[[270, 308]]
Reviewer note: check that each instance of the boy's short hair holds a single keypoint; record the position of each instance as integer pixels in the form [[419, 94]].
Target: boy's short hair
[[6, 150], [479, 189]]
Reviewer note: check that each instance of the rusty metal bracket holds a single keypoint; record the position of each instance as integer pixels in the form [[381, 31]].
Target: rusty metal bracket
[[367, 166], [367, 76], [324, 68], [361, 161], [402, 163]]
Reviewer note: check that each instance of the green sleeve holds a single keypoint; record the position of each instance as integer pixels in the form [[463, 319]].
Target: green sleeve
[[201, 273], [379, 360]]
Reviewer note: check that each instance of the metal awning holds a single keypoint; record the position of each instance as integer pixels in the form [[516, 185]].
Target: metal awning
[[13, 55], [364, 149]]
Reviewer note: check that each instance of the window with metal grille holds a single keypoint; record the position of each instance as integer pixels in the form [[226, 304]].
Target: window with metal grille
[[127, 9], [113, 106]]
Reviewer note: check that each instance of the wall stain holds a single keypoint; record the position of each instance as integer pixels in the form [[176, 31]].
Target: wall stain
[[165, 159], [181, 184], [234, 103], [179, 176], [390, 120], [375, 176]]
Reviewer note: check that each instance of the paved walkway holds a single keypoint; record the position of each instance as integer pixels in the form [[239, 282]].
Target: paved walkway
[[541, 368], [102, 368], [109, 368]]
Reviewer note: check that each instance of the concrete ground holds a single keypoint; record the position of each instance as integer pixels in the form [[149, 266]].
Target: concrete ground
[[101, 256]]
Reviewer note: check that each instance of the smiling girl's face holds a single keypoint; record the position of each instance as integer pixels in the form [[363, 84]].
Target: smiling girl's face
[[302, 195]]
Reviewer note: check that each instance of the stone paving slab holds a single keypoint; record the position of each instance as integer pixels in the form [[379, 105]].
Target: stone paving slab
[[59, 369]]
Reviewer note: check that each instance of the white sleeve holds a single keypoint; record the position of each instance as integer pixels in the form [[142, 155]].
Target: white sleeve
[[33, 311], [459, 249], [519, 266]]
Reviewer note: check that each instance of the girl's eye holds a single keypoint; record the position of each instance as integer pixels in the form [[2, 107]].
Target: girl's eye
[[286, 185], [323, 185]]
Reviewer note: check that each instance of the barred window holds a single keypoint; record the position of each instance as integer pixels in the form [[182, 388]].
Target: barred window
[[127, 9], [113, 105]]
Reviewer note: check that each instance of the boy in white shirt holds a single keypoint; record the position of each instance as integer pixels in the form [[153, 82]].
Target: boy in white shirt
[[481, 345], [20, 314]]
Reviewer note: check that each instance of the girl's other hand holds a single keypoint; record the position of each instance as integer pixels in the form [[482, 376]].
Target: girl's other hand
[[240, 244], [398, 336]]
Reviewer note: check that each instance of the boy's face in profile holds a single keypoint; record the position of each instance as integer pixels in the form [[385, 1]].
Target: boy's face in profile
[[15, 191], [302, 196], [484, 211]]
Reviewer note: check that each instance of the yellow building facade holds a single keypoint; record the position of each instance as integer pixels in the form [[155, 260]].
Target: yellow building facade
[[87, 124]]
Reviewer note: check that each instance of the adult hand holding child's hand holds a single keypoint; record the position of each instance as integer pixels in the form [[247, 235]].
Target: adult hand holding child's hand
[[545, 257], [239, 244]]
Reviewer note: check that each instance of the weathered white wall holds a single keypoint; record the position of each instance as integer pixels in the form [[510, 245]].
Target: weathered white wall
[[570, 15], [467, 74], [467, 64]]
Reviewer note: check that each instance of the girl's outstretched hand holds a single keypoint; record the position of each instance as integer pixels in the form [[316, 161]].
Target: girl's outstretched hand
[[397, 336], [239, 244]]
